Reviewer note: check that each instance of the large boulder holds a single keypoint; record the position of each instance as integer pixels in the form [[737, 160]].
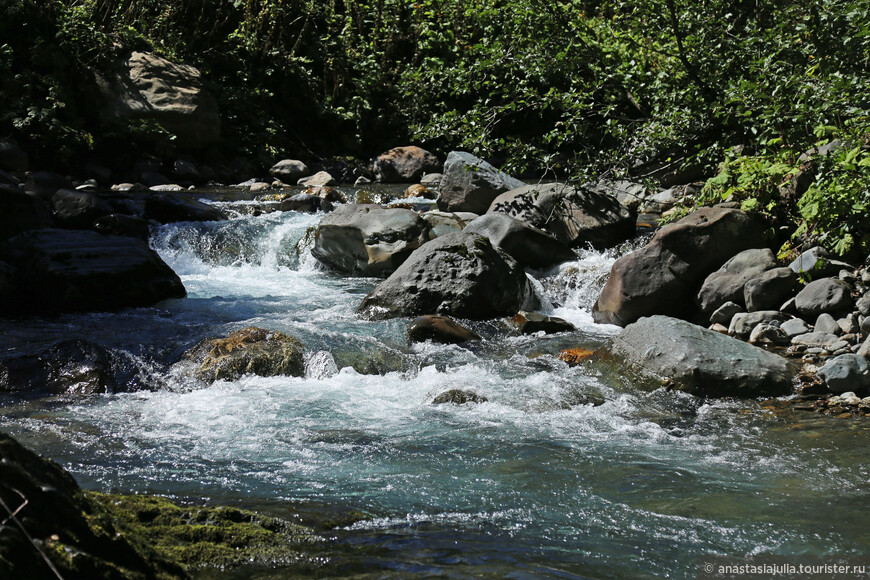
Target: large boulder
[[150, 87], [458, 274], [698, 361], [253, 351], [575, 216], [405, 164], [664, 276], [726, 284], [78, 209], [20, 212], [81, 270], [526, 244], [471, 184], [289, 170], [826, 295], [368, 240], [168, 208]]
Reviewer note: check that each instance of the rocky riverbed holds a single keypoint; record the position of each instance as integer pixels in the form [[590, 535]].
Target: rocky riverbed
[[445, 361]]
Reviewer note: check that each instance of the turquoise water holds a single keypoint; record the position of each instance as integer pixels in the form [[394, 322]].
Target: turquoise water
[[562, 473]]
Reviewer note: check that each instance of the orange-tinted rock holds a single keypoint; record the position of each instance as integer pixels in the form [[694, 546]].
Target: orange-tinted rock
[[575, 356]]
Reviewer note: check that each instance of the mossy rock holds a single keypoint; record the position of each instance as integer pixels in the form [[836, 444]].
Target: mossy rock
[[196, 537], [251, 350]]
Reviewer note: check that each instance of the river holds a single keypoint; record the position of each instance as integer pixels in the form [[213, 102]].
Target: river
[[562, 472]]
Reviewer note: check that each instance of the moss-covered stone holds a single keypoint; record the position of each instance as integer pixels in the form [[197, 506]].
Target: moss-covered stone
[[251, 350], [195, 537]]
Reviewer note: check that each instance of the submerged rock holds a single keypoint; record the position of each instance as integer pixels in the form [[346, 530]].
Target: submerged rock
[[252, 350], [664, 276], [573, 215], [697, 360], [576, 356], [439, 329], [471, 184], [80, 270], [368, 240], [68, 367], [458, 397], [532, 322], [460, 275]]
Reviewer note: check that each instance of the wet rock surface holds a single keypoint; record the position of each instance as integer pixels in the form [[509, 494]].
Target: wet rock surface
[[252, 350]]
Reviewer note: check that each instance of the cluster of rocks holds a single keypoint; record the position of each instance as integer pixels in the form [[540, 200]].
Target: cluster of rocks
[[713, 268]]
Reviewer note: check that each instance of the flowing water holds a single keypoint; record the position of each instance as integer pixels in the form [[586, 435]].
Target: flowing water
[[562, 472]]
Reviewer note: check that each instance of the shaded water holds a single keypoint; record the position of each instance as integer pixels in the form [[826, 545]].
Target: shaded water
[[563, 472]]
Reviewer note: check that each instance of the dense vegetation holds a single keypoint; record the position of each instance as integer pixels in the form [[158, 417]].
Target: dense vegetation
[[572, 87]]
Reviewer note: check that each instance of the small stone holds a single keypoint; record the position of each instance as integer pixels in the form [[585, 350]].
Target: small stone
[[725, 313], [768, 334], [361, 180], [849, 324], [575, 356], [794, 327], [846, 373], [863, 304], [789, 306], [719, 328], [319, 178], [260, 186]]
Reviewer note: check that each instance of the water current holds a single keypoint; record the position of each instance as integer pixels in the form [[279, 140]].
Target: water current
[[562, 472]]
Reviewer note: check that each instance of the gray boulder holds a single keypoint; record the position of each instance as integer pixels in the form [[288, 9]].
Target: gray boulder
[[68, 367], [847, 372], [307, 203], [368, 240], [573, 215], [169, 208], [698, 361], [769, 289], [78, 209], [726, 284], [664, 276], [460, 275], [825, 295], [471, 184], [289, 170], [20, 212], [150, 87], [81, 270], [404, 165], [431, 179], [531, 247]]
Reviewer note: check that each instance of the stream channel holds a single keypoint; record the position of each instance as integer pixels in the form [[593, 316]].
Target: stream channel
[[562, 472]]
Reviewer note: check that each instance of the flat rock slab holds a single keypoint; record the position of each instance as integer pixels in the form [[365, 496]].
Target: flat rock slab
[[697, 360]]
